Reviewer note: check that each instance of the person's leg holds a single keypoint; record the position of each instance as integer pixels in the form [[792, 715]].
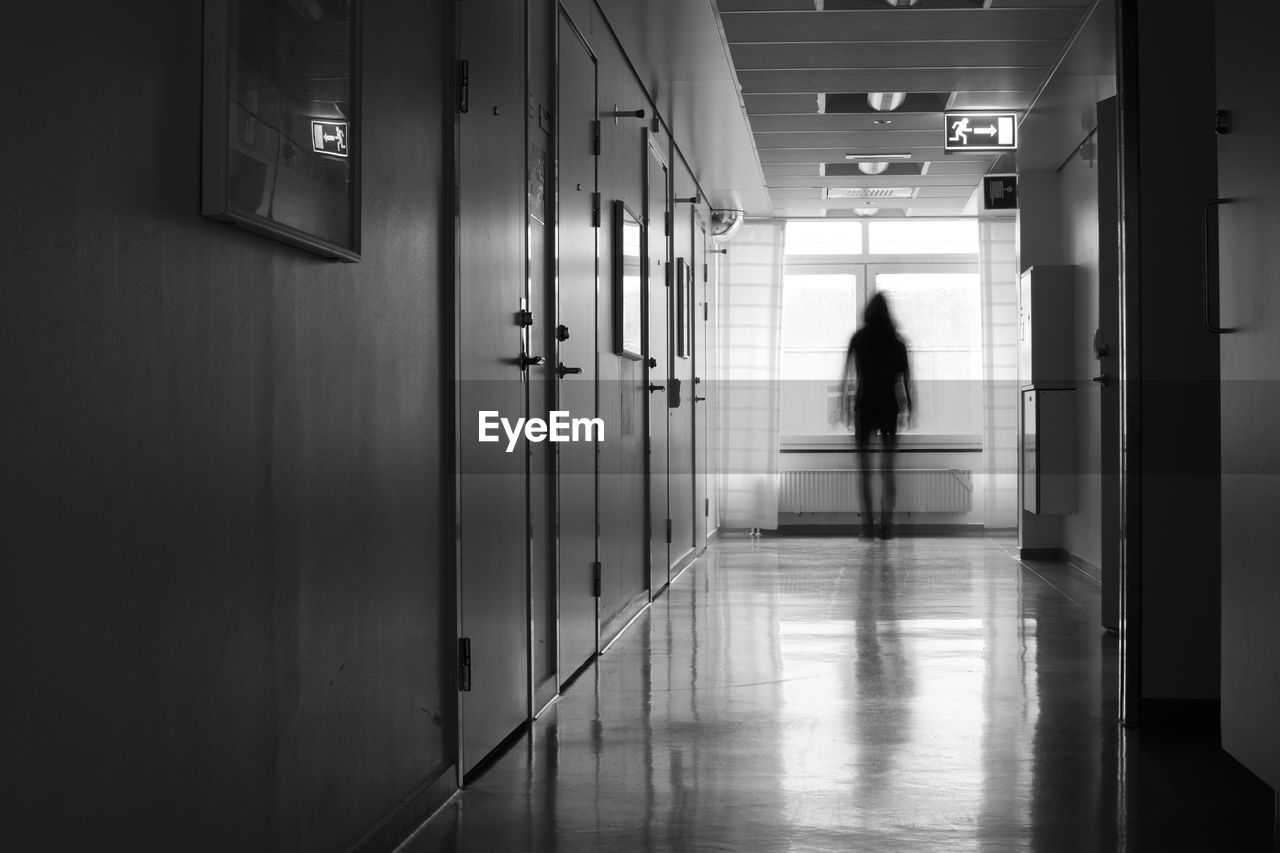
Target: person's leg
[[862, 438], [888, 454]]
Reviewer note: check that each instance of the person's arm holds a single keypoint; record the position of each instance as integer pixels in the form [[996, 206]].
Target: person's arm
[[906, 383], [847, 387]]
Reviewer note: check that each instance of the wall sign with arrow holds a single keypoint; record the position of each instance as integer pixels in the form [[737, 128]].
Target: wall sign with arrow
[[980, 131]]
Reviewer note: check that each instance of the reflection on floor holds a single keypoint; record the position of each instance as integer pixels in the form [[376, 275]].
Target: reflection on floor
[[815, 694]]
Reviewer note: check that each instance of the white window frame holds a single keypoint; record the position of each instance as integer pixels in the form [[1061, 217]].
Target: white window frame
[[864, 268]]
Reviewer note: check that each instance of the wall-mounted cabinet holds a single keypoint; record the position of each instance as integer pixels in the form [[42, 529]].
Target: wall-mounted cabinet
[[1048, 451], [1046, 328]]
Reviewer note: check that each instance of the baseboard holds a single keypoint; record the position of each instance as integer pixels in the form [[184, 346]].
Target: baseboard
[[898, 529], [1084, 565], [613, 627], [1191, 714], [713, 535], [544, 692], [413, 811], [1051, 554], [685, 561]]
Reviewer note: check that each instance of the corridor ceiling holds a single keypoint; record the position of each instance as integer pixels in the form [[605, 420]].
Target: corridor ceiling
[[806, 66]]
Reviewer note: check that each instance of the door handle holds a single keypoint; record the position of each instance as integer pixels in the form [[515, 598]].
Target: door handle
[[653, 387], [1210, 293], [698, 399], [563, 371], [527, 361], [1102, 380]]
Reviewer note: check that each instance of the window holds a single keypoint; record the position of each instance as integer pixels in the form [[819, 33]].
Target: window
[[819, 312], [924, 237], [938, 313], [823, 238], [934, 293]]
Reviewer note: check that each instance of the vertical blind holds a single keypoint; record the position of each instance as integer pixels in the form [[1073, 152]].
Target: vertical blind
[[750, 357]]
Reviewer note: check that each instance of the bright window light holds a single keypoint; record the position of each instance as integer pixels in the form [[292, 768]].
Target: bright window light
[[924, 237], [825, 238]]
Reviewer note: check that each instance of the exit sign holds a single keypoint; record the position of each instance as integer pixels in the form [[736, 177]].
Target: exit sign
[[980, 131], [329, 137]]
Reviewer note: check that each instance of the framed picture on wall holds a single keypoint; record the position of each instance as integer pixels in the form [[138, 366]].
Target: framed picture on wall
[[684, 314], [628, 295], [281, 153]]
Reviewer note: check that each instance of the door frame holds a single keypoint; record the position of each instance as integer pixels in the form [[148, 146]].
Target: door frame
[[563, 18], [653, 151]]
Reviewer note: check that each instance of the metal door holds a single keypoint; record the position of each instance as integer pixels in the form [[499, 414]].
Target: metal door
[[700, 385], [1243, 297], [575, 360], [1106, 350], [493, 627], [658, 361]]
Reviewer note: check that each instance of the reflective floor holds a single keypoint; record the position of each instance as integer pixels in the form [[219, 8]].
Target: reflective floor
[[829, 694]]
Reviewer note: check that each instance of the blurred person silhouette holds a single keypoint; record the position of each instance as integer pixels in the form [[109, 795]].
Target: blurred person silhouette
[[877, 394]]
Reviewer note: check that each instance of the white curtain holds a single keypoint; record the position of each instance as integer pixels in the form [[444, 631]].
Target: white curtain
[[749, 390], [997, 255]]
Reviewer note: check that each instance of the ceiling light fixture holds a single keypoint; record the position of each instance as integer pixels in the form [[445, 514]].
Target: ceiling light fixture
[[866, 211], [882, 121], [899, 156], [902, 4], [872, 167], [885, 102]]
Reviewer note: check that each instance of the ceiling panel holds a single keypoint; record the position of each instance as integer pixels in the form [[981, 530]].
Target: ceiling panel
[[802, 182], [766, 5], [895, 54], [780, 170], [789, 59], [832, 155], [853, 141], [802, 192], [902, 25], [1035, 4], [799, 104], [892, 80], [918, 204], [992, 100], [961, 193], [846, 121]]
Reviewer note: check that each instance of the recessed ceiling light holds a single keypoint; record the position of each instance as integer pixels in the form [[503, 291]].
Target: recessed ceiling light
[[866, 211], [872, 167], [882, 121], [902, 4], [885, 101], [899, 156]]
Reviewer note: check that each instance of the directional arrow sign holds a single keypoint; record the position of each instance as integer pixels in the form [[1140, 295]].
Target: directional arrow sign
[[329, 137], [980, 131]]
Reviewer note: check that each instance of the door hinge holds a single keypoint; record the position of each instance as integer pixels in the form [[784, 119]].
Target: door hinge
[[668, 531], [669, 277], [595, 579], [464, 85], [705, 265], [595, 137], [595, 210], [706, 507], [706, 312], [464, 664], [666, 222]]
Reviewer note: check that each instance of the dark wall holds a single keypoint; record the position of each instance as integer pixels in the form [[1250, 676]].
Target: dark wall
[[221, 458], [1177, 361]]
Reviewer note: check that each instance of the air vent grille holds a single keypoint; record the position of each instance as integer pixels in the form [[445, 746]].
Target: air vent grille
[[871, 192]]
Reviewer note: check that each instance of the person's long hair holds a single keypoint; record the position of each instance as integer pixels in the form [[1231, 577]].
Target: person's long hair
[[877, 314]]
